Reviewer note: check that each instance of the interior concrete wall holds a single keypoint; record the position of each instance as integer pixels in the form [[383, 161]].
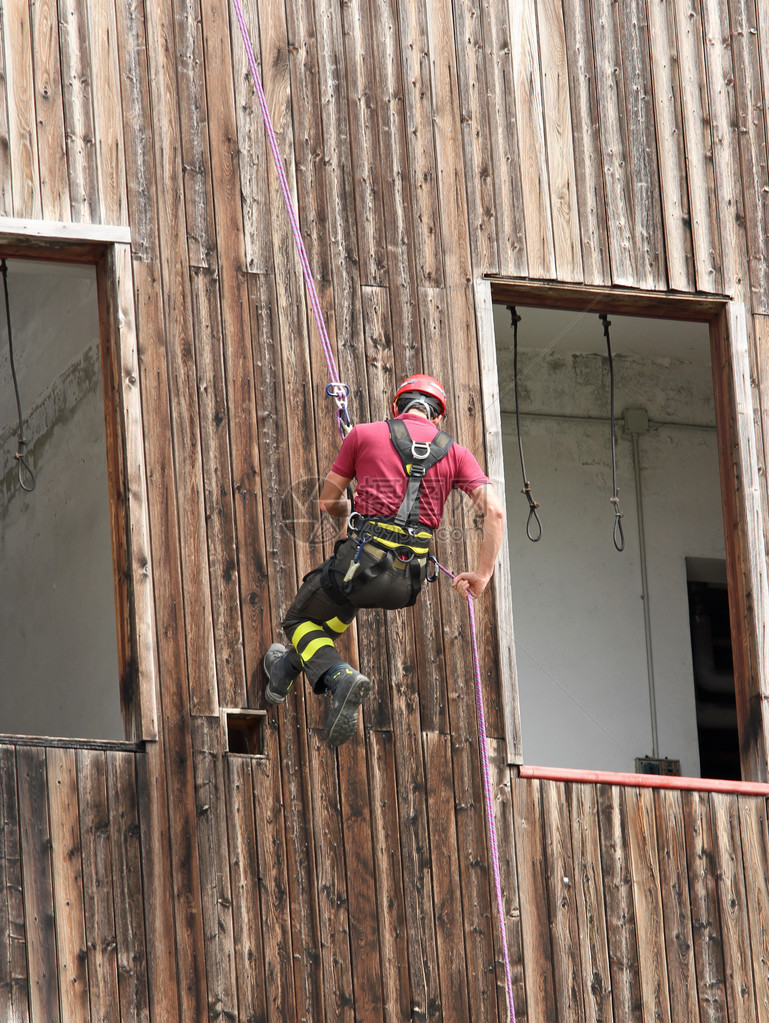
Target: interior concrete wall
[[577, 602], [59, 672]]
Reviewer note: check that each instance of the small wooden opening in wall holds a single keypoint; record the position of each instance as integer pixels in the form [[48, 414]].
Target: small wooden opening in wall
[[245, 731]]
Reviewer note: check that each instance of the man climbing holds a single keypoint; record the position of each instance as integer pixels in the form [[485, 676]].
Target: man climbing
[[405, 469]]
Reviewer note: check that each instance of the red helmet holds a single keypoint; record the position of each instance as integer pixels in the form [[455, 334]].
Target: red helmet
[[423, 384]]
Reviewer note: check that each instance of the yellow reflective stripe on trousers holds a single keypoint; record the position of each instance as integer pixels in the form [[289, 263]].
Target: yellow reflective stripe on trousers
[[337, 625], [312, 648], [303, 630]]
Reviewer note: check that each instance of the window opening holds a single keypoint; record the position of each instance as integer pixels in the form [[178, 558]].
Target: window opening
[[595, 647], [246, 732], [57, 616]]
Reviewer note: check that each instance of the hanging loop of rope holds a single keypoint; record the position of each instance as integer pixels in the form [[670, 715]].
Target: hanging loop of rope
[[487, 794], [618, 534], [340, 391], [24, 474], [534, 536]]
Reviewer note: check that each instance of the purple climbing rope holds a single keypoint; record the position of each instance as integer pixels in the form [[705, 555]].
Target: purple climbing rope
[[336, 389], [490, 819]]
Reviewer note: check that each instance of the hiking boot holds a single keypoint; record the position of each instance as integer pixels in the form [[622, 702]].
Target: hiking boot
[[350, 690], [281, 674]]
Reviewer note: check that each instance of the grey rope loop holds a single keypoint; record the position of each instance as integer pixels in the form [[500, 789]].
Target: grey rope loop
[[515, 319], [19, 456], [618, 534]]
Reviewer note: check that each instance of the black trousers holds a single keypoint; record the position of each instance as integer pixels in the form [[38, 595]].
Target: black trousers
[[321, 611]]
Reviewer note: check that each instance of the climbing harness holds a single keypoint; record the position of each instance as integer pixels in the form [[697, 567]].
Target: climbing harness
[[533, 514], [335, 389], [339, 392], [418, 457], [488, 798], [21, 462], [618, 534]]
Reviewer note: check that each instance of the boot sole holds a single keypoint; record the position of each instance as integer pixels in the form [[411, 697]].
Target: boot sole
[[274, 698], [342, 726]]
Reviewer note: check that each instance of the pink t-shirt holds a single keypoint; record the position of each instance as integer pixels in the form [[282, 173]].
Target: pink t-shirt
[[368, 455]]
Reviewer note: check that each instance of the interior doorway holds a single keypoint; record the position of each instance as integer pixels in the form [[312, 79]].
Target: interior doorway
[[603, 644], [58, 636]]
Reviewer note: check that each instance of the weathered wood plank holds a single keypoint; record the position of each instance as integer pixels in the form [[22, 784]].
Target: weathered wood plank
[[532, 880], [531, 139], [246, 882], [676, 908], [567, 964], [750, 97], [217, 483], [620, 916], [179, 353], [420, 164], [14, 993], [365, 925], [139, 143], [360, 56], [333, 896], [502, 783], [388, 867], [68, 880], [558, 136], [343, 306], [128, 891], [54, 184], [214, 854], [388, 93], [732, 901], [300, 823], [610, 89], [193, 123], [452, 957], [237, 341], [503, 129], [644, 864], [730, 202], [277, 905], [668, 120], [698, 140], [591, 907], [701, 868], [649, 239], [414, 843], [77, 80], [101, 938], [37, 885], [134, 589], [755, 856], [22, 126], [173, 708], [107, 113], [507, 674], [473, 104], [585, 131]]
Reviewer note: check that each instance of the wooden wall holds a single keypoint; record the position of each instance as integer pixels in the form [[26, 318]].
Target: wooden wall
[[427, 144]]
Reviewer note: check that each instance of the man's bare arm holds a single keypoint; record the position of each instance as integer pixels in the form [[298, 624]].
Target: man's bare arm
[[333, 499], [488, 504]]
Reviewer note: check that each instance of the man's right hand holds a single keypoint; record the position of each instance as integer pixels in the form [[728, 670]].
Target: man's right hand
[[470, 582]]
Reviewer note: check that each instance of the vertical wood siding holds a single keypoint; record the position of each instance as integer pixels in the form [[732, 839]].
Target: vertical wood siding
[[427, 143]]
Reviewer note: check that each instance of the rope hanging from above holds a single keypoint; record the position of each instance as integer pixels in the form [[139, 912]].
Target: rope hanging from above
[[335, 389], [618, 535], [515, 319], [21, 462]]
